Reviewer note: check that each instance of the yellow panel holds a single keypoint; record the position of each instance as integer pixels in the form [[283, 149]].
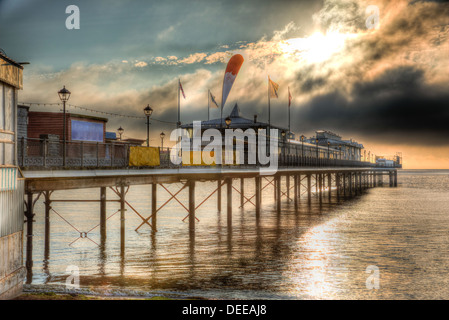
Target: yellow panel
[[144, 157], [190, 155]]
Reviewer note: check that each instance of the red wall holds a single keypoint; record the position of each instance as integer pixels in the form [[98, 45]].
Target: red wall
[[52, 123]]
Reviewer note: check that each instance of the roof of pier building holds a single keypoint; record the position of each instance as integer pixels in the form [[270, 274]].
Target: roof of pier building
[[335, 140], [237, 122]]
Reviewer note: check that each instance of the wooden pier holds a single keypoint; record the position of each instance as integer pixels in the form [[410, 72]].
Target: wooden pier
[[322, 183]]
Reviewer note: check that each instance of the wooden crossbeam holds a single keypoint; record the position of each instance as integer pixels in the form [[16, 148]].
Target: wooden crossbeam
[[269, 182], [163, 205]]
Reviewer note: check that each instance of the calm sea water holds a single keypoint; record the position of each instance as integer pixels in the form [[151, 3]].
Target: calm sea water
[[318, 252]]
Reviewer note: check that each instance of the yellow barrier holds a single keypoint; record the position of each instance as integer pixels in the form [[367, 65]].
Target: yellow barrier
[[144, 157], [188, 158]]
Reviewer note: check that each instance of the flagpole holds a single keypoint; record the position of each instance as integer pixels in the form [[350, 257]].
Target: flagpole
[[208, 105], [179, 104], [269, 107], [289, 111], [221, 116]]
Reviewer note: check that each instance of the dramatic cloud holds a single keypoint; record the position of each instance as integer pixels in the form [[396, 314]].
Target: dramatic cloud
[[387, 85]]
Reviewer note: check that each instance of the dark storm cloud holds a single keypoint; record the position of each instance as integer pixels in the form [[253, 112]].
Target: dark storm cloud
[[398, 105]]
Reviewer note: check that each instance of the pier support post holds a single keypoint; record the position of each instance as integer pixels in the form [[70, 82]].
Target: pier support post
[[320, 186], [329, 185], [47, 225], [191, 206], [309, 188], [390, 174], [229, 201], [103, 214], [122, 219], [350, 184], [360, 188], [374, 179], [277, 180], [29, 249], [337, 183], [295, 190], [395, 175], [242, 192], [287, 183], [258, 196], [154, 206], [219, 195]]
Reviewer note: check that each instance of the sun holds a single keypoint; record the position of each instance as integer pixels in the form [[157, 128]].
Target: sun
[[316, 48]]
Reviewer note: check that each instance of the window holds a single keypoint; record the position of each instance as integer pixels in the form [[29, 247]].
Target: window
[[7, 125]]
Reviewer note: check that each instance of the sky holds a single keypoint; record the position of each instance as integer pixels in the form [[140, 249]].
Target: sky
[[386, 87]]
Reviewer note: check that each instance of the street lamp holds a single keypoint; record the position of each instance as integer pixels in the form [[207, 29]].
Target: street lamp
[[302, 146], [328, 152], [228, 122], [120, 132], [339, 147], [64, 95], [317, 148], [148, 112], [162, 135], [283, 133]]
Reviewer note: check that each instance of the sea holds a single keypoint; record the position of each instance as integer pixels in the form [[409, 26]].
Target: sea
[[387, 243]]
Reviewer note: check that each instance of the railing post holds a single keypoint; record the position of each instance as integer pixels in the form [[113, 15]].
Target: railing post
[[23, 151], [82, 154], [112, 154], [98, 154], [45, 152]]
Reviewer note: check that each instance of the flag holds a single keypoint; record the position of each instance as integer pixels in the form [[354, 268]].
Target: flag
[[182, 90], [289, 97], [232, 69], [274, 87], [212, 98]]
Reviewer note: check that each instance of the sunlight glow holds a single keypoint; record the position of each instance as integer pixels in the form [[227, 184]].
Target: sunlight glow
[[316, 48]]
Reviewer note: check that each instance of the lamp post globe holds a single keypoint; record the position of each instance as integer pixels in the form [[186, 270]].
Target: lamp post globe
[[120, 132], [148, 111], [64, 96], [228, 121], [162, 135]]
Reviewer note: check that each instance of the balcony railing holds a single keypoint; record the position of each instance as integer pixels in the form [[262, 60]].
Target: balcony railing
[[45, 153]]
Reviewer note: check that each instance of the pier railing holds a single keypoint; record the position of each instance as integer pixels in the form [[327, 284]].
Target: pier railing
[[44, 153]]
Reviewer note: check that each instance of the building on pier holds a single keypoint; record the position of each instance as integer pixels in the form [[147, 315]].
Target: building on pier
[[236, 122], [12, 186], [346, 149]]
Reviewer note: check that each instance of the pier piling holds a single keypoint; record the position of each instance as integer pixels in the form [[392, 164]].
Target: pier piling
[[103, 214], [257, 182], [191, 205], [122, 218], [47, 204], [229, 201]]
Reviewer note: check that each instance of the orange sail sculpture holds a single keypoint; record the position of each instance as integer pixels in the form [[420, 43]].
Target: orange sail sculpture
[[231, 72]]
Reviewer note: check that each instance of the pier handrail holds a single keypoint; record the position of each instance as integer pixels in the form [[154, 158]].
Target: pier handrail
[[34, 153]]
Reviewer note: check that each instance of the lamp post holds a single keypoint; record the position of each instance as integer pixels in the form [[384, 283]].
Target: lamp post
[[339, 147], [317, 148], [283, 134], [64, 95], [148, 112], [302, 146], [328, 151], [162, 135], [120, 132]]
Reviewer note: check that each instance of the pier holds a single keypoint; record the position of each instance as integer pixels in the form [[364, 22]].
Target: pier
[[287, 185]]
